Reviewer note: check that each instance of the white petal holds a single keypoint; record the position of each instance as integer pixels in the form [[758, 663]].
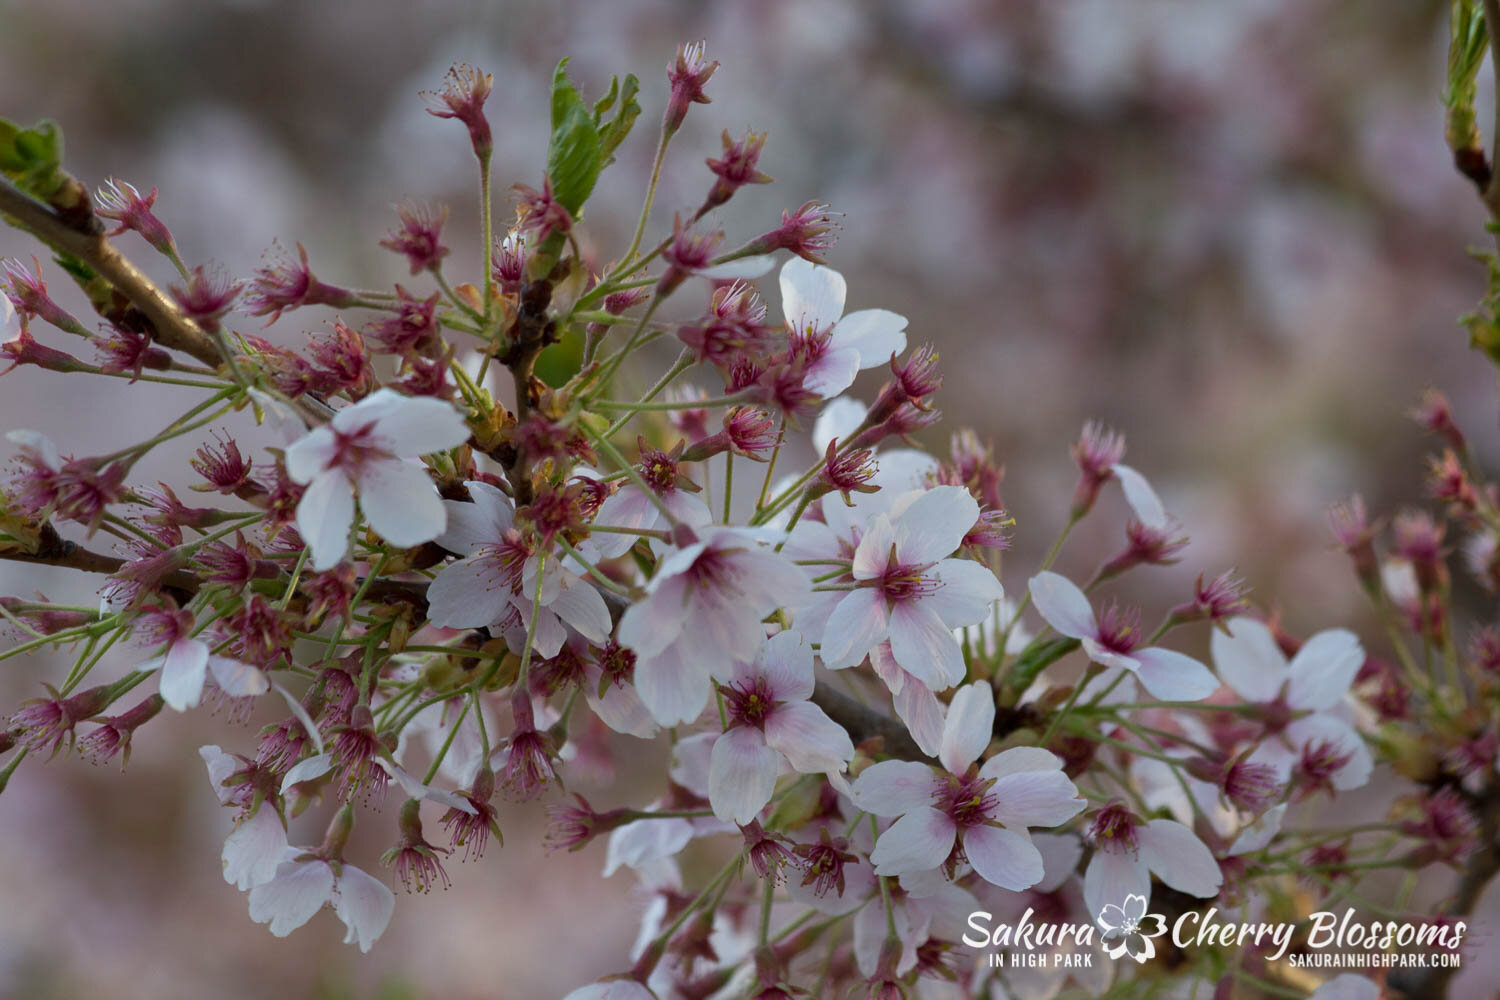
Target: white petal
[[1324, 727], [1323, 669], [967, 593], [236, 679], [1173, 676], [482, 522], [401, 503], [924, 646], [1179, 858], [1106, 657], [893, 787], [809, 739], [652, 624], [1003, 857], [1036, 798], [466, 594], [873, 554], [741, 775], [857, 624], [307, 458], [289, 900], [690, 762], [220, 766], [1020, 760], [307, 770], [324, 515], [935, 523], [1065, 607], [786, 661], [840, 418], [1249, 660], [920, 710], [183, 669], [811, 295], [1111, 877], [421, 425], [875, 333], [621, 709], [673, 690], [832, 373], [917, 842], [1141, 497], [688, 508], [252, 854], [365, 906], [580, 605], [969, 728]]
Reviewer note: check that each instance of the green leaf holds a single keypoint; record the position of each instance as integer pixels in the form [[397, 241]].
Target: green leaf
[[612, 133], [32, 157], [573, 156]]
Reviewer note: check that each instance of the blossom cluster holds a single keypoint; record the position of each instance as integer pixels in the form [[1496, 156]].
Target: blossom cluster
[[473, 565]]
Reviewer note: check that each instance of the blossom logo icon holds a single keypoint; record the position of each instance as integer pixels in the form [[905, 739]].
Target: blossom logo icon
[[1129, 929]]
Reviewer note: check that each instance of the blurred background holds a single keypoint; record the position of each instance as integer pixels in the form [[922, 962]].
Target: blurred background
[[1230, 230]]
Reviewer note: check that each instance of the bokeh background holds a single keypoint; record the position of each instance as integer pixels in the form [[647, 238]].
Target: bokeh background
[[1228, 229]]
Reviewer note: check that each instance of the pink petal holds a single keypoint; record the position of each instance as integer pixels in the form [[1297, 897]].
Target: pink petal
[[858, 623], [466, 594], [674, 691], [289, 900], [401, 503], [1036, 798], [917, 842], [1323, 669], [365, 906], [629, 508], [969, 728], [934, 524], [811, 295], [924, 646], [1065, 607], [873, 554], [1179, 858], [324, 515], [1003, 857], [1174, 676], [967, 593], [741, 775], [809, 739], [1020, 760], [580, 605], [236, 679], [1112, 876], [893, 787], [482, 522], [252, 854], [182, 672], [650, 625], [786, 661], [920, 710], [1249, 659]]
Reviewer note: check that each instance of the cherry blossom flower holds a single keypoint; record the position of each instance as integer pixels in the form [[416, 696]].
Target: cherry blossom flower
[[1301, 701], [907, 591], [496, 581], [837, 346], [187, 662], [1113, 640], [1128, 851], [771, 720], [702, 613], [365, 448], [984, 814], [304, 883]]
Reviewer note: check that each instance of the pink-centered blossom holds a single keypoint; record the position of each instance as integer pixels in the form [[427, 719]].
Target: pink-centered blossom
[[187, 661], [980, 816], [1114, 639], [305, 883], [906, 589], [836, 345], [1129, 850], [702, 614], [1302, 701], [366, 448], [496, 581], [771, 721]]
